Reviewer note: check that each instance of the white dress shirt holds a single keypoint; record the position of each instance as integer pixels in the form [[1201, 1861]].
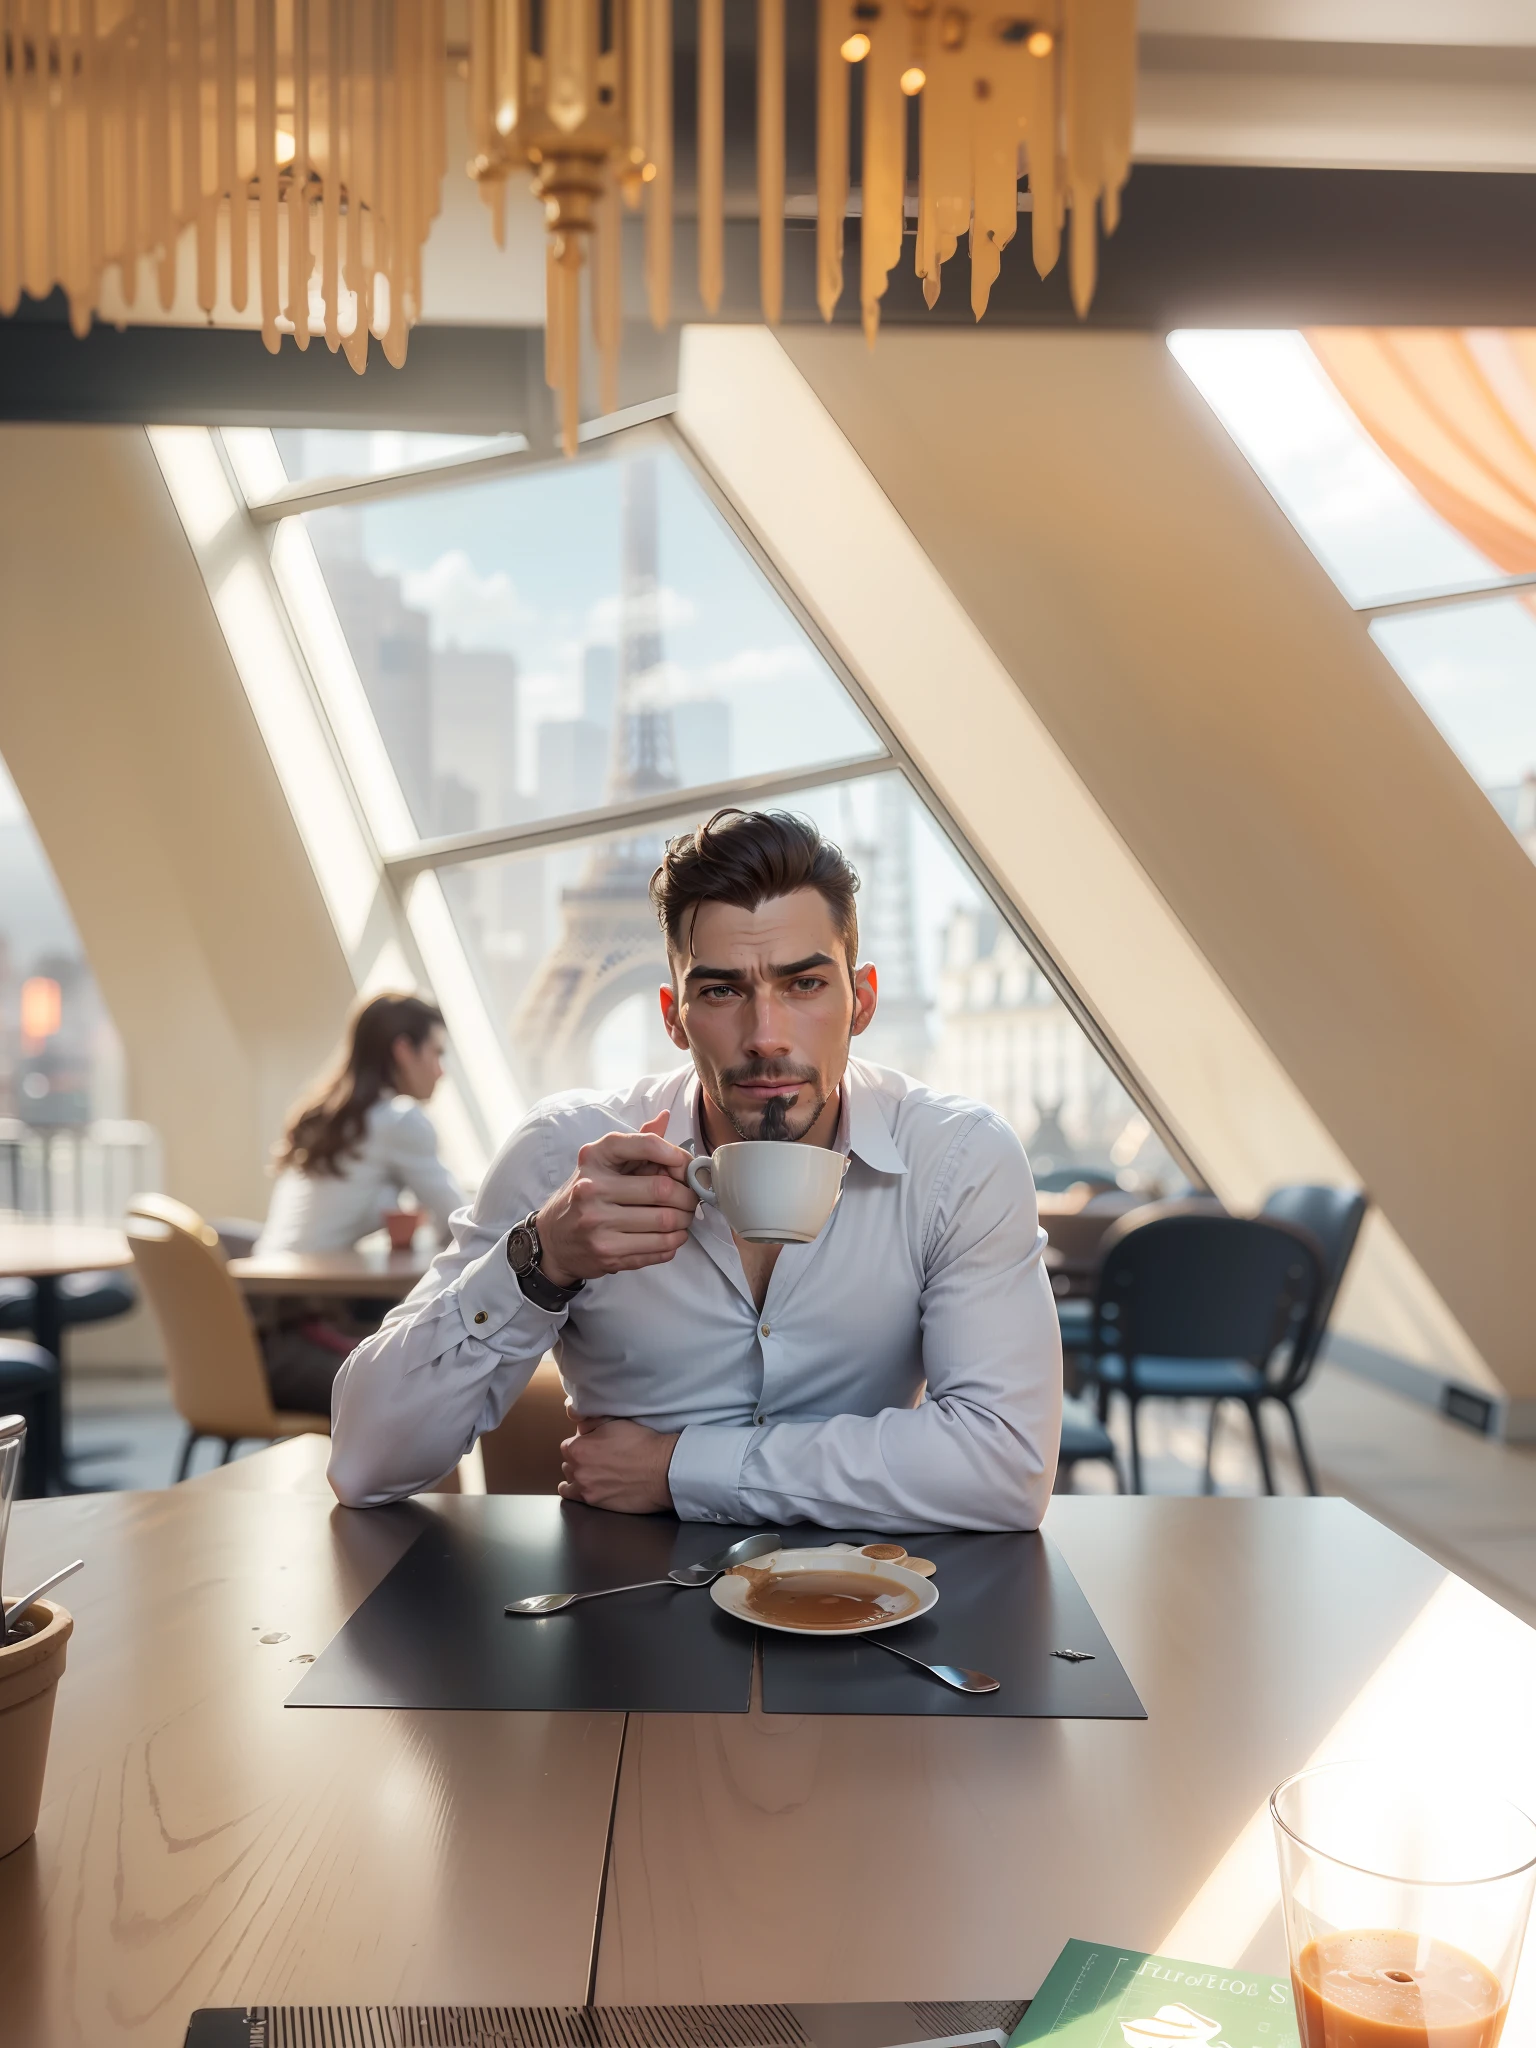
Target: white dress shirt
[[929, 1271], [326, 1212]]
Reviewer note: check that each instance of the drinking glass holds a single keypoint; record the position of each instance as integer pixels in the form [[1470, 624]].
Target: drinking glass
[[13, 1441], [1406, 1900]]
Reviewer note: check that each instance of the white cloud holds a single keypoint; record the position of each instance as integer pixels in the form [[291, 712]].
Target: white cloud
[[672, 608], [763, 665], [466, 608]]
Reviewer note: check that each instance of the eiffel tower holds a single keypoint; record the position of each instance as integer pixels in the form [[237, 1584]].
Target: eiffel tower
[[610, 945]]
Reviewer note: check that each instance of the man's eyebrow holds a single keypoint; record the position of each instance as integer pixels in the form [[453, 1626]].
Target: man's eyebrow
[[775, 972]]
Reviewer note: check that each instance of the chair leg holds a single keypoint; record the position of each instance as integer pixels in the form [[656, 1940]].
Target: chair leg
[[193, 1439], [229, 1449], [1133, 1405], [1114, 1466], [1103, 1403], [1259, 1444], [1210, 1450], [1303, 1456]]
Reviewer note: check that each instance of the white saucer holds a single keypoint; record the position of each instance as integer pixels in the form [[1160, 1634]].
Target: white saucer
[[730, 1592]]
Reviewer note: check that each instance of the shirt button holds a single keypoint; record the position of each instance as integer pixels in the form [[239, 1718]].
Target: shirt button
[[766, 1331], [758, 1416], [481, 1316]]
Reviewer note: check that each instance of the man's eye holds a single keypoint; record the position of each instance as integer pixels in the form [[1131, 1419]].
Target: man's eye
[[809, 983], [719, 988]]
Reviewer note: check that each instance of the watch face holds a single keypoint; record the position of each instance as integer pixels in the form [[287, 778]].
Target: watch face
[[522, 1249]]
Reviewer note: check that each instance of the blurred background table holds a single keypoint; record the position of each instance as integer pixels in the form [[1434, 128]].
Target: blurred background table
[[365, 1275]]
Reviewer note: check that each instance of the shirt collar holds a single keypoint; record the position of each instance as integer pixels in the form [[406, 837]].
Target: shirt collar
[[869, 1135], [683, 1115], [861, 1125]]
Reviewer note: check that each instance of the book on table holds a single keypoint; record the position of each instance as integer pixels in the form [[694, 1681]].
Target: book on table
[[1099, 1996]]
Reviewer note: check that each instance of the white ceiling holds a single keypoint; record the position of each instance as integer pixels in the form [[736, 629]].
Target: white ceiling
[[1483, 23], [1381, 84]]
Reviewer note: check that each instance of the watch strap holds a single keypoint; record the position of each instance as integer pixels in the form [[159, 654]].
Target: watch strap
[[536, 1284]]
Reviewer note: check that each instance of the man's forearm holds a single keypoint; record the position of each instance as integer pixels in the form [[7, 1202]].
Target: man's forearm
[[947, 1464], [411, 1399]]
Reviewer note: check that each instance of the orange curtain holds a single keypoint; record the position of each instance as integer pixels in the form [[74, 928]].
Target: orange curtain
[[1455, 410]]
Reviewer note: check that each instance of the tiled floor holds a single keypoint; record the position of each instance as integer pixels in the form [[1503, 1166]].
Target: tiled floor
[[1469, 1502]]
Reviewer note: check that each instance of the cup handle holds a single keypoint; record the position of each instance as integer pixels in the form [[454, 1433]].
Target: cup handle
[[704, 1189]]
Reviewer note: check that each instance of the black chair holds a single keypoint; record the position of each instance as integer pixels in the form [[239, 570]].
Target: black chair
[[29, 1387], [1084, 1441], [1196, 1306], [83, 1298], [1333, 1216]]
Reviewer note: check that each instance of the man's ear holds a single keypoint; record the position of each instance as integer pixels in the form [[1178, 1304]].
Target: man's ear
[[866, 990], [672, 1016]]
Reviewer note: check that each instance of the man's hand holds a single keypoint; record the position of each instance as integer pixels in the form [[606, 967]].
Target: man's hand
[[626, 1205], [614, 1464]]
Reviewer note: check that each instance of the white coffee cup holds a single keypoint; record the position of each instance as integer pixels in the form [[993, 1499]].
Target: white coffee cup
[[771, 1191]]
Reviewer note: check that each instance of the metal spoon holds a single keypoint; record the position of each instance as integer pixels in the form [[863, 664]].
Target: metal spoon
[[18, 1608], [685, 1575], [958, 1677]]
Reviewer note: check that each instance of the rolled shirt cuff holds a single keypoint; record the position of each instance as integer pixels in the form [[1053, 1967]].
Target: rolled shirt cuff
[[705, 1472], [489, 1298]]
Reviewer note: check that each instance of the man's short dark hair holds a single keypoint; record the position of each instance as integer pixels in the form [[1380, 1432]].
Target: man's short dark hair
[[747, 858]]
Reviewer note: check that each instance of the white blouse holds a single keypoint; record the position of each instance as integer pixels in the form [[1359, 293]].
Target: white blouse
[[323, 1212]]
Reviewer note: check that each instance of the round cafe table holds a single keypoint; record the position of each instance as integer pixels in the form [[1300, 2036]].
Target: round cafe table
[[45, 1253]]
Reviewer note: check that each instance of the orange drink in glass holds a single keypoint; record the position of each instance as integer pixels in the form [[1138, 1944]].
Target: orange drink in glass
[[1405, 1902]]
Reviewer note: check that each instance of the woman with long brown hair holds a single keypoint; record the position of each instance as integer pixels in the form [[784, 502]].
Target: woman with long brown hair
[[361, 1137], [352, 1147]]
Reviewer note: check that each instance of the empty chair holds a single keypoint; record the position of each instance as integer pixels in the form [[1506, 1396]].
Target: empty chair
[[237, 1235], [1084, 1441], [1196, 1306], [522, 1453], [83, 1298], [29, 1387], [212, 1353], [1075, 1314], [1333, 1216]]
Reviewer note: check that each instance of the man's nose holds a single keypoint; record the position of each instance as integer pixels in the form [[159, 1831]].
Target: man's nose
[[767, 1027]]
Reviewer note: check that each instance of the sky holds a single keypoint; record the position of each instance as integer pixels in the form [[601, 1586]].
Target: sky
[[1473, 668], [531, 566]]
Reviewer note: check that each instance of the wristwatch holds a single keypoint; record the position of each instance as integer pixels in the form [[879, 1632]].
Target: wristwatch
[[523, 1254]]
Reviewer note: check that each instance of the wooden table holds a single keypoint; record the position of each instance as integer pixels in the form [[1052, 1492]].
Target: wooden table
[[46, 1253], [367, 1275], [198, 1845], [197, 1841]]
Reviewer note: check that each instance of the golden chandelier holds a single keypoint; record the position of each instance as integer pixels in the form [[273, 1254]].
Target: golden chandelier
[[301, 142]]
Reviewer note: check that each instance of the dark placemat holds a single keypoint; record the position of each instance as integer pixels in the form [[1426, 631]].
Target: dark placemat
[[977, 2023], [433, 1633], [1005, 1604]]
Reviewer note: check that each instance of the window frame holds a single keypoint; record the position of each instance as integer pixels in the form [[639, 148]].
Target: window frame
[[423, 928]]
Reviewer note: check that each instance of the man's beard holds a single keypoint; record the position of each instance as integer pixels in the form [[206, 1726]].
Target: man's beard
[[774, 1118]]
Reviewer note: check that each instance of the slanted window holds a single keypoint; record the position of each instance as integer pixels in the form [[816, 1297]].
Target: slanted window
[[1407, 462], [534, 673]]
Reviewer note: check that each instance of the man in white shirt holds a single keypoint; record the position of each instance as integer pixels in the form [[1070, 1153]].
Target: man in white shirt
[[724, 1380]]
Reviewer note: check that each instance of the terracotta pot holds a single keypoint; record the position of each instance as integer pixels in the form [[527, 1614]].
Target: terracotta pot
[[402, 1225], [29, 1675]]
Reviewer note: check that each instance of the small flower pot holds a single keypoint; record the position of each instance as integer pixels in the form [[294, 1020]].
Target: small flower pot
[[402, 1225], [30, 1671]]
